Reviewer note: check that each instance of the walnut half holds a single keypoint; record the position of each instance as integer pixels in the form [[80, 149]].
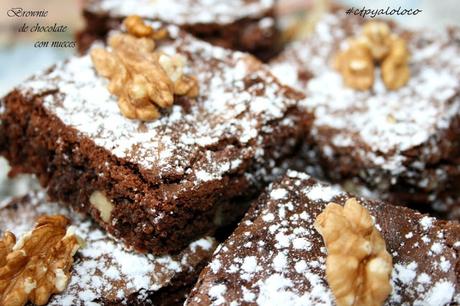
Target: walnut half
[[395, 67], [377, 35], [357, 66], [376, 46], [358, 266], [145, 80], [38, 265]]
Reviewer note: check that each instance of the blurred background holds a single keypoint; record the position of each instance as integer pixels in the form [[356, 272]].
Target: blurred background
[[19, 58]]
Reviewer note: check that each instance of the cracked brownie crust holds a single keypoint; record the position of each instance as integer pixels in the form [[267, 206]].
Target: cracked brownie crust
[[166, 182], [403, 144], [244, 25], [104, 272], [276, 256]]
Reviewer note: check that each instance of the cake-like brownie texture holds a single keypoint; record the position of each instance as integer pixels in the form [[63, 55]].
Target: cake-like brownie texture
[[405, 143], [104, 272], [156, 185], [245, 25], [276, 256]]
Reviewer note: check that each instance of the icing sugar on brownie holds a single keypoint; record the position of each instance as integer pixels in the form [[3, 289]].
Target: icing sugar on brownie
[[425, 105], [225, 110], [276, 256], [407, 137], [104, 272], [157, 185], [245, 25], [185, 11]]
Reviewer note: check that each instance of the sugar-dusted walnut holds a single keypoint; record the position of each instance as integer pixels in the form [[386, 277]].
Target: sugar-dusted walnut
[[356, 66], [395, 67], [184, 85], [37, 265], [135, 76], [377, 35], [358, 266], [143, 79], [379, 46]]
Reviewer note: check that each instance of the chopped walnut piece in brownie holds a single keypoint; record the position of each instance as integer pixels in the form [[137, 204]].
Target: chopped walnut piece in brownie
[[104, 272], [156, 185]]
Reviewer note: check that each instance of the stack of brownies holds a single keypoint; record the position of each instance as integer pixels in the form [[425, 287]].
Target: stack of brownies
[[162, 141]]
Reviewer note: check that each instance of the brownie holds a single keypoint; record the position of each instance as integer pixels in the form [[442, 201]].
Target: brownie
[[169, 181], [104, 272], [276, 257], [245, 25], [403, 144]]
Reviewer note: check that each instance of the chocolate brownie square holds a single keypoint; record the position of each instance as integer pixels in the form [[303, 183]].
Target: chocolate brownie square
[[277, 257], [402, 144], [157, 185], [246, 25], [104, 273]]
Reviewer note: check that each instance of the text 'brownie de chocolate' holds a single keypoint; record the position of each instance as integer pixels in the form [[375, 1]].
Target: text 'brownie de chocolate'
[[156, 185], [245, 25], [277, 257], [404, 143]]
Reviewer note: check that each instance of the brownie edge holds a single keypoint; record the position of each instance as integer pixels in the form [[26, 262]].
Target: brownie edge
[[276, 256], [104, 272], [255, 32], [169, 181]]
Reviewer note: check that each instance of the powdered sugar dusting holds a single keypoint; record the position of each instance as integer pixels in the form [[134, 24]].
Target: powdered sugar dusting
[[104, 268], [276, 257], [238, 97], [385, 123], [186, 11], [426, 222], [278, 194], [217, 293], [441, 294], [321, 193]]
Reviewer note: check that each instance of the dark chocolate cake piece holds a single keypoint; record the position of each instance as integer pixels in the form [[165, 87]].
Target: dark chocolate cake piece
[[104, 273], [276, 256], [156, 185], [246, 25], [402, 144]]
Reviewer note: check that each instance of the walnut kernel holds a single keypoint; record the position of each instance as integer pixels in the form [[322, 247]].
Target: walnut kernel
[[378, 36], [142, 78], [102, 204], [395, 67], [136, 26], [356, 66], [184, 85], [38, 265], [172, 65], [384, 49], [358, 266]]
